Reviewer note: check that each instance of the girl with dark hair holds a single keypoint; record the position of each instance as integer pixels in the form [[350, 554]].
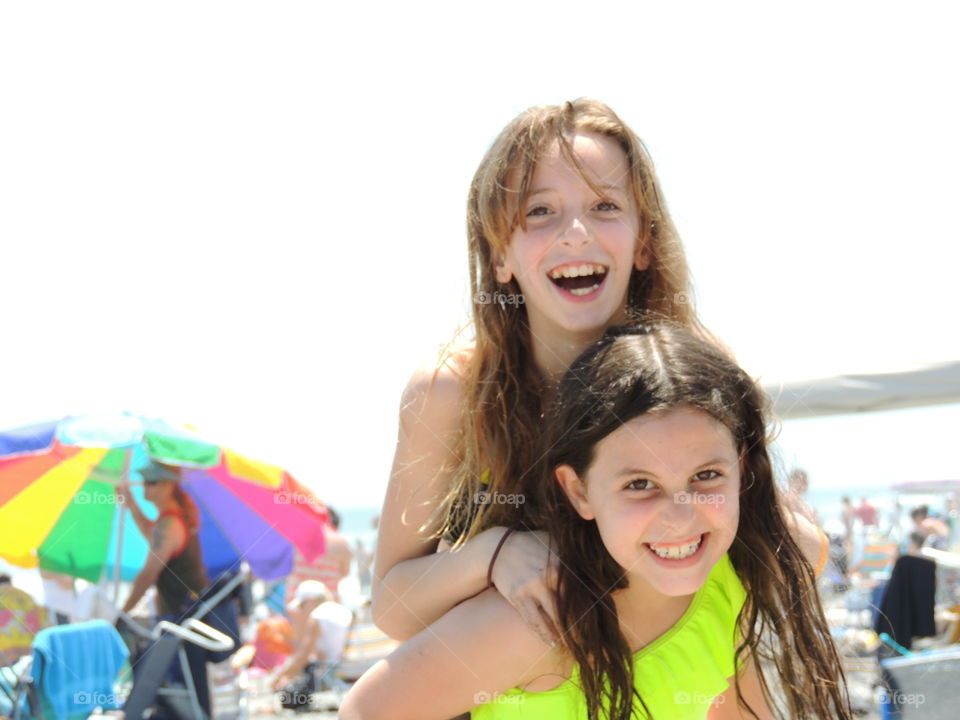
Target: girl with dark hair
[[677, 573]]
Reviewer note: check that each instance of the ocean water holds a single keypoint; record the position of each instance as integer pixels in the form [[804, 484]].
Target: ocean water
[[358, 523]]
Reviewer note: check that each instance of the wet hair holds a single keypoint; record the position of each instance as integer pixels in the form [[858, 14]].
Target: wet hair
[[631, 372], [501, 408]]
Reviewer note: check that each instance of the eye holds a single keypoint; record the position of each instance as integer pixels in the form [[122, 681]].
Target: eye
[[705, 475], [639, 484], [538, 211], [606, 206]]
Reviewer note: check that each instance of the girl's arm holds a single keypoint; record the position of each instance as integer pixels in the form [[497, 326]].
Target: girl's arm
[[725, 707], [456, 664], [413, 585]]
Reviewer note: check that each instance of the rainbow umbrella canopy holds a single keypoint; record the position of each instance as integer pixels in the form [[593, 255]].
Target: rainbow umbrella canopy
[[58, 508]]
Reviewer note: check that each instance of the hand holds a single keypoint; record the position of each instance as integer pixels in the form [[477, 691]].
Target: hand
[[525, 574], [122, 490], [278, 681]]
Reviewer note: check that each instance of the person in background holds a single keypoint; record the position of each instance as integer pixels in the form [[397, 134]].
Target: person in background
[[935, 531], [331, 567], [847, 516], [174, 563], [915, 543], [58, 596], [320, 627], [798, 483], [867, 513], [364, 567], [21, 618]]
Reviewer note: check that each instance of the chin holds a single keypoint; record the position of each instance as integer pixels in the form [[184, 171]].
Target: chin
[[593, 321], [680, 587]]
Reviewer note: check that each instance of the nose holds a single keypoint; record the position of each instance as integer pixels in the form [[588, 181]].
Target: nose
[[575, 234], [677, 513]]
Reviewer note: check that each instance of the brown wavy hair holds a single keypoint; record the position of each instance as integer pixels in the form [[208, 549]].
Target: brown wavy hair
[[637, 370], [501, 406]]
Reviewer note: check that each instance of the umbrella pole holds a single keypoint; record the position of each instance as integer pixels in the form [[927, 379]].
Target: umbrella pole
[[125, 479]]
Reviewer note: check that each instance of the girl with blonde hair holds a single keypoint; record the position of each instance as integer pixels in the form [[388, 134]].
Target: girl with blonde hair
[[568, 234]]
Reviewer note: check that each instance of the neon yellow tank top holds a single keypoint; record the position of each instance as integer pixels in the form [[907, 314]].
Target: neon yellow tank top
[[677, 675]]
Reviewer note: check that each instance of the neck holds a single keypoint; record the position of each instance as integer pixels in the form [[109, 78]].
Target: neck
[[555, 348], [646, 614]]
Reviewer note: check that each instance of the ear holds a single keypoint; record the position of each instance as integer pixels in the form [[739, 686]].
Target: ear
[[501, 271], [575, 491], [641, 259]]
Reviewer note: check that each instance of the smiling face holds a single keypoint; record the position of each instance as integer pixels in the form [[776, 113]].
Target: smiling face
[[664, 491], [574, 259]]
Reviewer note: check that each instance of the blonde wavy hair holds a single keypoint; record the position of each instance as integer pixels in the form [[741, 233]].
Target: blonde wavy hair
[[503, 389]]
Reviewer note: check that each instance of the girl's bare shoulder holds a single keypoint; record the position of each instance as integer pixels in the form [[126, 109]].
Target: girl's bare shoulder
[[440, 381]]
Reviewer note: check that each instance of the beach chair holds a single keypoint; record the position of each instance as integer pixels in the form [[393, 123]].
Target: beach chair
[[366, 644], [167, 646], [71, 673], [923, 685], [13, 688], [206, 632], [869, 576]]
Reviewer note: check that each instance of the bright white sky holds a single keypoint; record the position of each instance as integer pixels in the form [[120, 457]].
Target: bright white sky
[[250, 217]]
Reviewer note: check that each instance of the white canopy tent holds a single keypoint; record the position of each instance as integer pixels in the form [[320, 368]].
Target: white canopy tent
[[924, 385]]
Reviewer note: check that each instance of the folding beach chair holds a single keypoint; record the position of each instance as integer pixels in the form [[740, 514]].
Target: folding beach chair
[[151, 687], [923, 685], [209, 627], [71, 673]]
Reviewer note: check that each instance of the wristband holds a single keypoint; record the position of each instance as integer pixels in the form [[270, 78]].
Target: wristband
[[496, 552]]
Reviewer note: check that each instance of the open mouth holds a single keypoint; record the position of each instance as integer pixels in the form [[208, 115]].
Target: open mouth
[[677, 551], [578, 280]]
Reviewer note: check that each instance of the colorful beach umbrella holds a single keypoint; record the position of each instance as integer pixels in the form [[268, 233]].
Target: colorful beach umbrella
[[58, 508]]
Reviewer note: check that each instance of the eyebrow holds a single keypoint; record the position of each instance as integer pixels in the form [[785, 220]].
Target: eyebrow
[[638, 471], [601, 186]]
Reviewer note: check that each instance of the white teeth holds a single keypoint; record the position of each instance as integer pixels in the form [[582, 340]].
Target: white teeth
[[585, 291], [570, 271], [677, 552]]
